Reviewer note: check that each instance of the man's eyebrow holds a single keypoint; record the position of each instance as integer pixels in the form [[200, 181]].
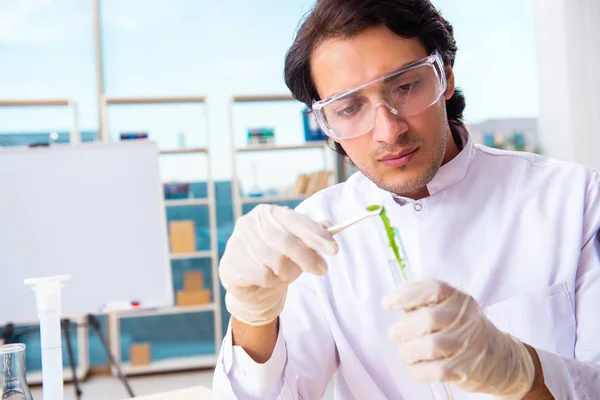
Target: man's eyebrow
[[351, 95], [391, 78], [386, 80], [395, 76]]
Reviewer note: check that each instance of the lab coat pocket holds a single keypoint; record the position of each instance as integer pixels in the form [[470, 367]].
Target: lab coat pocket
[[544, 318]]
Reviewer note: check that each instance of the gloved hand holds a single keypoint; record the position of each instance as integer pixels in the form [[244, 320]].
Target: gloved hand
[[269, 248], [444, 336]]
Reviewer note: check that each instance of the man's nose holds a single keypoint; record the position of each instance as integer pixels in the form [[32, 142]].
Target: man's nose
[[388, 127]]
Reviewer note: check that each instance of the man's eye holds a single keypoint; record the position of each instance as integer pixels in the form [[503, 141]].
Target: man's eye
[[407, 87], [348, 111]]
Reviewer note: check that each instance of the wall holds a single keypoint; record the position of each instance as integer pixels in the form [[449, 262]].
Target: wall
[[568, 50]]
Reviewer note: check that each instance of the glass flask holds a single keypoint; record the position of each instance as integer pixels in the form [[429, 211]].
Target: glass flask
[[13, 382]]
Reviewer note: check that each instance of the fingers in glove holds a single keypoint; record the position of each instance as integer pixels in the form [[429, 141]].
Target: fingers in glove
[[429, 347], [280, 265], [265, 251], [285, 269], [257, 265], [291, 247], [313, 234], [415, 294], [326, 224], [421, 321], [435, 371]]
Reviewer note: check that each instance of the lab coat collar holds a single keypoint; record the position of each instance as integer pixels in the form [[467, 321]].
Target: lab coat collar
[[456, 169], [452, 172]]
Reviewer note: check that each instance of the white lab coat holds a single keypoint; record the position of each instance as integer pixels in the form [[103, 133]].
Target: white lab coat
[[517, 231]]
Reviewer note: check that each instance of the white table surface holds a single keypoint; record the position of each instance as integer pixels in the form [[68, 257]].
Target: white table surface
[[193, 393]]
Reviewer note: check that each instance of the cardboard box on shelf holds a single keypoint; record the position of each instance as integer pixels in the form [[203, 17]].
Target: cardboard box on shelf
[[324, 180], [193, 298], [182, 236], [312, 184], [301, 184], [140, 354], [193, 280], [318, 181]]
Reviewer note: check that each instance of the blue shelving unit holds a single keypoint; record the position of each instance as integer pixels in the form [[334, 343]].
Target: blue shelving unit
[[170, 331]]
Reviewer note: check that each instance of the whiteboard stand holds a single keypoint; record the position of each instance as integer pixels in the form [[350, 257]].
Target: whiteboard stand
[[115, 364], [102, 195], [83, 361], [65, 325]]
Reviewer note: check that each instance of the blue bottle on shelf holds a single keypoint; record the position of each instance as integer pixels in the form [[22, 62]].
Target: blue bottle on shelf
[[312, 132]]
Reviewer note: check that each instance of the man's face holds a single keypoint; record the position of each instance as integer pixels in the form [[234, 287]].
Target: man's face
[[339, 64]]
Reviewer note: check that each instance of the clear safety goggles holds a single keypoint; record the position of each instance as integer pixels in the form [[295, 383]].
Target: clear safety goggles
[[404, 92]]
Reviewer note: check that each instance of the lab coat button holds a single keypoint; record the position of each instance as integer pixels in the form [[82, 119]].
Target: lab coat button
[[418, 206]]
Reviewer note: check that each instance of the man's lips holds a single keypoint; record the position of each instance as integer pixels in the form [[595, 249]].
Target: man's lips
[[397, 154], [399, 159]]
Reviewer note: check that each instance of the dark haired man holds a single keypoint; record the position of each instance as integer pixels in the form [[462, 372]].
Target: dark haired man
[[511, 238]]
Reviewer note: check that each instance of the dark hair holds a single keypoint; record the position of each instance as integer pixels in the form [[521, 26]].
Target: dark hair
[[346, 18]]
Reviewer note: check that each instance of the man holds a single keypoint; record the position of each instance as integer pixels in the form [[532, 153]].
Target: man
[[505, 244]]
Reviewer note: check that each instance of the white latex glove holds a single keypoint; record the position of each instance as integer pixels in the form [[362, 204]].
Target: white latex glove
[[269, 248], [444, 336]]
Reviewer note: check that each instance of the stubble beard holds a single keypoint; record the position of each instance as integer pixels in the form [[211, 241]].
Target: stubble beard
[[408, 185]]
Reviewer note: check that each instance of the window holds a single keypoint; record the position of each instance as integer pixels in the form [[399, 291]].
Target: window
[[496, 67], [47, 52]]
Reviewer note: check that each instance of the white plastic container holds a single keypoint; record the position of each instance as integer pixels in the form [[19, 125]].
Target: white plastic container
[[48, 301]]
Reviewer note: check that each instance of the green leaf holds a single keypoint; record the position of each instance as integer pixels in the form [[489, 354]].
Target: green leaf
[[391, 235]]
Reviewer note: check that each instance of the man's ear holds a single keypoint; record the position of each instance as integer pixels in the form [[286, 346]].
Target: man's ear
[[450, 79]]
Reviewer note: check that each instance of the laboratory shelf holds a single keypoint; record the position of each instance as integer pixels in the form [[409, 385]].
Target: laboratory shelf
[[171, 364], [185, 150], [165, 311], [197, 254], [258, 148], [262, 98], [238, 200], [187, 202], [116, 337], [271, 199], [153, 100]]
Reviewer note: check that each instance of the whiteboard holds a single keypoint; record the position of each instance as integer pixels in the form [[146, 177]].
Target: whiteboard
[[92, 211]]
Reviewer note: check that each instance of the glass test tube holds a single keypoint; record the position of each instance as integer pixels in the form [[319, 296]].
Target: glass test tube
[[439, 390]]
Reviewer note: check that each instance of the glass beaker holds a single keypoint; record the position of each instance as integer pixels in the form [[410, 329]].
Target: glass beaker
[[13, 382]]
